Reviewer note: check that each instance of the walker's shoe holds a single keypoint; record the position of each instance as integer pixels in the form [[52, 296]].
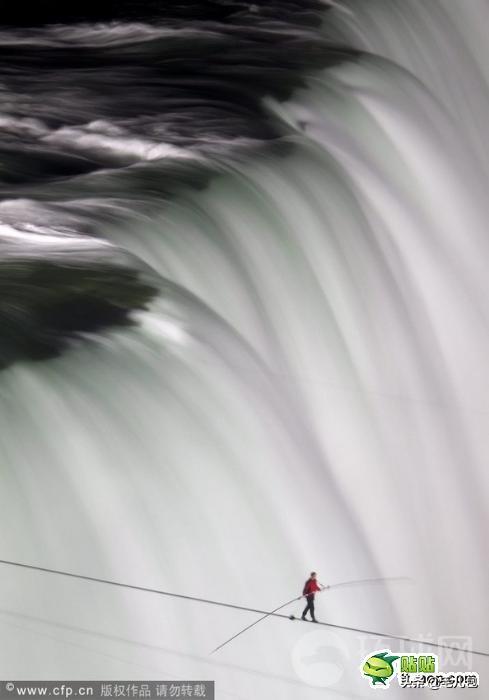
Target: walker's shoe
[[303, 618], [314, 620]]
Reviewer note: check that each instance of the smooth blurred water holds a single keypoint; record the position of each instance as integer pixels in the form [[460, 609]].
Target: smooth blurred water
[[309, 391]]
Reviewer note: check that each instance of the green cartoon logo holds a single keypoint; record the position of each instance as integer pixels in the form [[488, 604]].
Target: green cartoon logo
[[413, 670], [379, 667]]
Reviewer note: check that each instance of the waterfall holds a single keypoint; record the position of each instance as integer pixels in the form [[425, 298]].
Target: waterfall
[[300, 382]]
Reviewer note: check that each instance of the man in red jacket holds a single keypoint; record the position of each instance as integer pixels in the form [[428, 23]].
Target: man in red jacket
[[310, 588]]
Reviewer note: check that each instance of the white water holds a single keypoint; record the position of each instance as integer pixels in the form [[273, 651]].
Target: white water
[[319, 401]]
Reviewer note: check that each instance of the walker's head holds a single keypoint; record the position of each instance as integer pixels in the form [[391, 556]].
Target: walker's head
[[313, 574]]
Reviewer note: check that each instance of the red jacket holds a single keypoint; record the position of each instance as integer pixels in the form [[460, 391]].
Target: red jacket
[[311, 587]]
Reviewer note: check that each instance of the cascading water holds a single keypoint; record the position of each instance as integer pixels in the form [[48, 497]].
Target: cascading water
[[269, 316]]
